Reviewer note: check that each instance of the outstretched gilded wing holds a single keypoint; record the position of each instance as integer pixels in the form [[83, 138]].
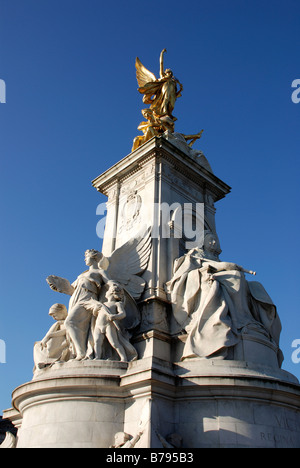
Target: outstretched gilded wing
[[143, 75], [129, 261]]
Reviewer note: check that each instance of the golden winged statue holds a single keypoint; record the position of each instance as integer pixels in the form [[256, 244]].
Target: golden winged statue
[[161, 93]]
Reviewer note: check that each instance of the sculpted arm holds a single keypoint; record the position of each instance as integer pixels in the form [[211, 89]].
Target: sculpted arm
[[161, 63], [226, 266], [121, 312], [61, 285], [52, 332], [233, 266], [213, 267]]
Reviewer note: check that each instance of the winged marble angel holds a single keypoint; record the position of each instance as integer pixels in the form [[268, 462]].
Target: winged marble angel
[[123, 267]]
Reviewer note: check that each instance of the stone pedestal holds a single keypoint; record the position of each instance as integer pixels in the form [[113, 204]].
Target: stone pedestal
[[234, 404], [209, 403], [71, 405]]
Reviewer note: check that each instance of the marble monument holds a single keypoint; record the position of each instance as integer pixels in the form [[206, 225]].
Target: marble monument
[[164, 344]]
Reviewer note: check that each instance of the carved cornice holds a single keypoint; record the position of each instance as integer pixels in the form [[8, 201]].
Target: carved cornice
[[160, 149]]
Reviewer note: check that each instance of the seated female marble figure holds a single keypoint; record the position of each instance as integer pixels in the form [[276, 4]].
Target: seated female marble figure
[[215, 304]]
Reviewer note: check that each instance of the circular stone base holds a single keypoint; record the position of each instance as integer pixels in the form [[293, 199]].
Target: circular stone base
[[210, 403], [74, 404], [235, 404]]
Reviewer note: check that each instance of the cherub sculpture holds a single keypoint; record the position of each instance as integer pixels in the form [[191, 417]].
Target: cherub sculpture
[[124, 266], [161, 93], [107, 324]]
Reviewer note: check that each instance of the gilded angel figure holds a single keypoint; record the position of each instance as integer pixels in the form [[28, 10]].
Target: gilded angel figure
[[161, 93]]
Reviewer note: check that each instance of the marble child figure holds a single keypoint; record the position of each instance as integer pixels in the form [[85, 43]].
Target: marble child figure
[[55, 346], [108, 316]]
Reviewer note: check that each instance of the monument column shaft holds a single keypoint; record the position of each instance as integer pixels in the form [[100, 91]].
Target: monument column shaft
[[144, 190], [157, 186]]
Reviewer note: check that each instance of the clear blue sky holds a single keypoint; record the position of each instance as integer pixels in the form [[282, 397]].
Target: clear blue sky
[[72, 111]]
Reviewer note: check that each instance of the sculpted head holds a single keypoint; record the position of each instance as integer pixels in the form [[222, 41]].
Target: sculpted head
[[211, 245], [168, 73], [92, 256], [58, 312], [115, 291], [210, 242]]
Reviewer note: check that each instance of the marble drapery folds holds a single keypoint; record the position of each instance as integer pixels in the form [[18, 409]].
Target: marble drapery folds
[[215, 305]]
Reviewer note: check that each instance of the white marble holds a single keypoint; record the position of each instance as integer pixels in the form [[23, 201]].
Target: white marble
[[147, 309], [221, 312], [210, 403]]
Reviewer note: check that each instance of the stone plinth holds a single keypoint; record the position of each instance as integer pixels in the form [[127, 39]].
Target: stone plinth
[[209, 403], [237, 404], [71, 406]]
